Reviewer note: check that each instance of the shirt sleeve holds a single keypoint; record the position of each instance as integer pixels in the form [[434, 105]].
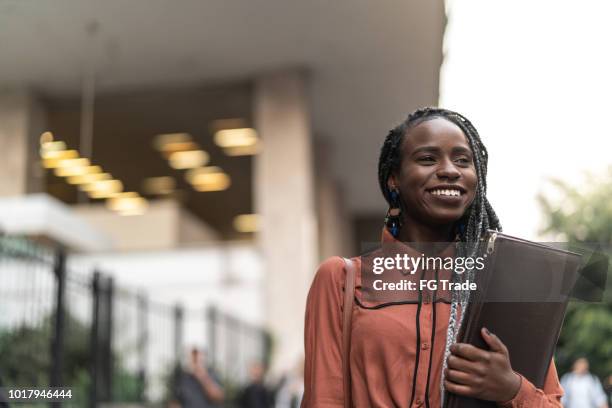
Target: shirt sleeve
[[598, 395], [323, 386], [529, 396]]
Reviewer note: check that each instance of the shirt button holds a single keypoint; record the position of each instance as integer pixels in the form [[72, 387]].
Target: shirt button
[[418, 402], [425, 346]]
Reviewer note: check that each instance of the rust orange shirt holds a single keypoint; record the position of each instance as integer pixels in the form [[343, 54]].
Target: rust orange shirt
[[396, 351]]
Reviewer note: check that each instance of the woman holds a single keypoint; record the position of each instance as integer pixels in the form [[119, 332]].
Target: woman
[[432, 172]]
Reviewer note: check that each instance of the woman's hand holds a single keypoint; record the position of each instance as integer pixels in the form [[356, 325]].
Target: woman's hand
[[482, 374]]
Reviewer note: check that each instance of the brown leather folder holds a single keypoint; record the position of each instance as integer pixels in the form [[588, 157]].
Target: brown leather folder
[[522, 296]]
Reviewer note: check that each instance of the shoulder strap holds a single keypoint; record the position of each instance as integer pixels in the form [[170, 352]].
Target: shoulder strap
[[349, 294]]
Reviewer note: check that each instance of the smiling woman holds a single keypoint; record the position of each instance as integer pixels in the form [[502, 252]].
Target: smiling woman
[[432, 172]]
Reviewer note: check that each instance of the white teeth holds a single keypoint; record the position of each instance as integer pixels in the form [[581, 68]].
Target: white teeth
[[446, 192]]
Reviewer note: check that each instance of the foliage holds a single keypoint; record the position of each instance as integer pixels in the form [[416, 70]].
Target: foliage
[[26, 361], [584, 215]]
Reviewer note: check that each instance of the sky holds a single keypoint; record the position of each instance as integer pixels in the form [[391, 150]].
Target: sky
[[535, 78]]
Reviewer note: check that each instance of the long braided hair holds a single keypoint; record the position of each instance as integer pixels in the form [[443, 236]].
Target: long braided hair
[[478, 218]]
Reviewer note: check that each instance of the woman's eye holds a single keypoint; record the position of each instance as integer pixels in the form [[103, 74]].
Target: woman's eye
[[426, 159], [463, 160]]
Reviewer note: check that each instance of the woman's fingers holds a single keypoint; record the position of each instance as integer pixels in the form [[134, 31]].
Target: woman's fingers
[[494, 343], [459, 377], [466, 366], [469, 352], [459, 389]]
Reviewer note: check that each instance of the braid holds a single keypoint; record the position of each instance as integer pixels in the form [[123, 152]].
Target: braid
[[478, 218]]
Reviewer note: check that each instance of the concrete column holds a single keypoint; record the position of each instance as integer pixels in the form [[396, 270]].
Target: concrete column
[[22, 120], [335, 222], [284, 197]]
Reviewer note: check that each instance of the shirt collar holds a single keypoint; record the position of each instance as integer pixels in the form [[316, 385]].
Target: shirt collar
[[388, 238]]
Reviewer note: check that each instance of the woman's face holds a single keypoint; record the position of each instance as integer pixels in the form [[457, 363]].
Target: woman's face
[[437, 178]]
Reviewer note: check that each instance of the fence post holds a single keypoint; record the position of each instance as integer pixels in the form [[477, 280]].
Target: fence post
[[178, 334], [212, 316], [266, 340], [101, 340], [107, 346], [57, 342], [143, 342], [94, 346]]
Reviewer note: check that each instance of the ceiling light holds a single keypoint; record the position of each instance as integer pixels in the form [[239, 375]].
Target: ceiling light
[[243, 150], [236, 137], [88, 178], [52, 146], [129, 203], [210, 178], [188, 159], [213, 182], [104, 188], [58, 154], [77, 171], [71, 167], [191, 175], [161, 141], [159, 185], [80, 162], [46, 137], [171, 148], [246, 223], [52, 159]]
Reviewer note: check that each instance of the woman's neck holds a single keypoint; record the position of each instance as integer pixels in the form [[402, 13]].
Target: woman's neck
[[413, 231]]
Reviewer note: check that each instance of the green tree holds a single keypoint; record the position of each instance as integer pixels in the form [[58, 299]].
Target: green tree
[[25, 361], [584, 215]]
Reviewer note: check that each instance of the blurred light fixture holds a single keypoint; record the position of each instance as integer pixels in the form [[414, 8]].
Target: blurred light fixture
[[59, 154], [192, 174], [49, 146], [53, 159], [78, 162], [240, 137], [172, 148], [159, 185], [88, 178], [129, 203], [166, 141], [246, 223], [72, 167], [243, 150], [77, 171], [46, 137], [209, 178], [104, 188], [188, 159]]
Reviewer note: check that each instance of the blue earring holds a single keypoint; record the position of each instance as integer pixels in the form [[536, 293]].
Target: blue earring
[[393, 217]]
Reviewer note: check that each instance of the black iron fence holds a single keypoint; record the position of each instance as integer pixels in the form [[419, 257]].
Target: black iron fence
[[108, 344]]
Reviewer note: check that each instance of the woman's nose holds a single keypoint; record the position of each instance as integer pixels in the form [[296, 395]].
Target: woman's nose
[[448, 170]]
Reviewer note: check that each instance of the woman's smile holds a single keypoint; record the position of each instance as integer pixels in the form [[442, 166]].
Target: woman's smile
[[452, 194]]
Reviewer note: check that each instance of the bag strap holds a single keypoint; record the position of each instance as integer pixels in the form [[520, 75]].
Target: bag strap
[[349, 294]]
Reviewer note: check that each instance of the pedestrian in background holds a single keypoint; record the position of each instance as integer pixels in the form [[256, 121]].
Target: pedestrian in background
[[197, 386], [582, 389], [256, 394]]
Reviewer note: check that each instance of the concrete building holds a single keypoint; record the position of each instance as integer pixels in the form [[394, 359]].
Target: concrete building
[[320, 82]]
